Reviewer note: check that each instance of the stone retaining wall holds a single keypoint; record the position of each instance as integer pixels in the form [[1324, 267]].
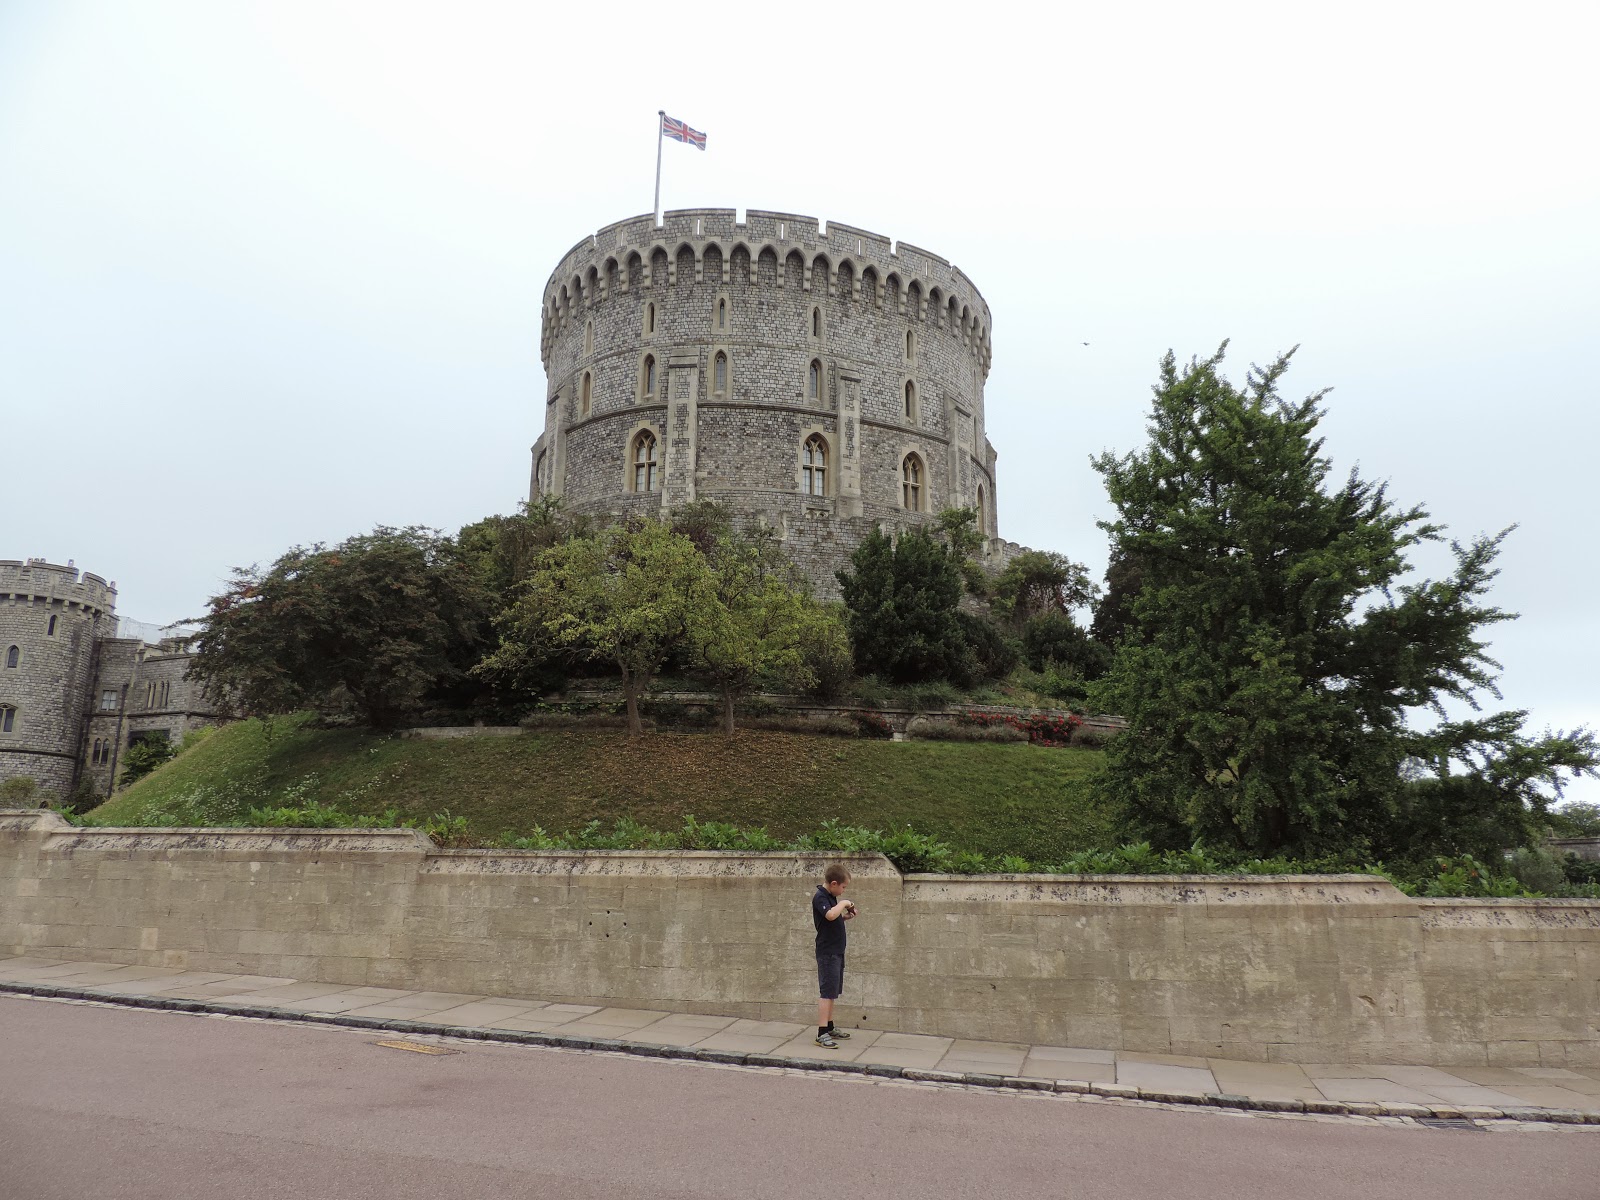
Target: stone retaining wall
[[1290, 969]]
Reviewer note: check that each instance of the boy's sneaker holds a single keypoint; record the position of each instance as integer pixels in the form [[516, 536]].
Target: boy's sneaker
[[825, 1040], [840, 1034]]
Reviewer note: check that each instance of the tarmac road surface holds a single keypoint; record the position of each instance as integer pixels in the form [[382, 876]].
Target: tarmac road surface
[[128, 1104]]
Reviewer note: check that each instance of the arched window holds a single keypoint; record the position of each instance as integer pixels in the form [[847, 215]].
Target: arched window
[[983, 519], [648, 380], [911, 345], [911, 483], [719, 375], [585, 394], [814, 380], [51, 630], [13, 656], [816, 322], [911, 401], [588, 337], [646, 475], [814, 466], [649, 318], [722, 314], [8, 718]]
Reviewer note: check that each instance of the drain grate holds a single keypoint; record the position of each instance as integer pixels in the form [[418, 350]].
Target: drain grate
[[1451, 1123], [416, 1047]]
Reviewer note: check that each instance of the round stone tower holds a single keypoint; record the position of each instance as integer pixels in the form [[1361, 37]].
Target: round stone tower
[[51, 620], [820, 383]]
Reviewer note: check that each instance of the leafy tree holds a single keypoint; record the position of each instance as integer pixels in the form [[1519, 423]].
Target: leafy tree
[[1113, 615], [624, 595], [959, 528], [994, 651], [902, 596], [381, 620], [144, 756], [1579, 818], [753, 624], [1054, 637], [1039, 581], [502, 550], [1280, 654]]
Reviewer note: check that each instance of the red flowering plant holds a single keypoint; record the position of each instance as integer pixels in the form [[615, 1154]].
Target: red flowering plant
[[1043, 729]]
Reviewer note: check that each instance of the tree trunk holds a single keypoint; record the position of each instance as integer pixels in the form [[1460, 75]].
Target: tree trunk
[[727, 712], [631, 687]]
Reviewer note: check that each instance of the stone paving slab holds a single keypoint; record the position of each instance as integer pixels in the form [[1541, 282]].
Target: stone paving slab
[[1507, 1097]]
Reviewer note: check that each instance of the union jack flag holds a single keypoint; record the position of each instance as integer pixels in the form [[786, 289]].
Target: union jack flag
[[680, 132]]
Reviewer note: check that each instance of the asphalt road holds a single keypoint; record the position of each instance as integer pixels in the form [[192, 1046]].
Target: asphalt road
[[121, 1104]]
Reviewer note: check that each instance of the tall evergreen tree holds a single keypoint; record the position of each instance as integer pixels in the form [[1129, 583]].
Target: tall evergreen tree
[[1279, 653], [903, 596]]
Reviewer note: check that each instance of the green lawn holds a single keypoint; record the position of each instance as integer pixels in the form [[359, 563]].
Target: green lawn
[[993, 798]]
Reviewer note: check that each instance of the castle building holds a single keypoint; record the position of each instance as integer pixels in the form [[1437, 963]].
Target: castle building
[[820, 382], [73, 694]]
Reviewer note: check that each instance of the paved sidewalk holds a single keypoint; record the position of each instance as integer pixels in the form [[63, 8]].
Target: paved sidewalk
[[1567, 1095]]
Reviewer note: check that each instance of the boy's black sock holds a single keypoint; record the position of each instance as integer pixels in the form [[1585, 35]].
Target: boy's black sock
[[822, 1029], [830, 1026]]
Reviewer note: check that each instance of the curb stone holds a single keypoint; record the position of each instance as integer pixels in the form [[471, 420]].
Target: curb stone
[[1356, 1108], [1024, 1084], [1157, 1096], [1395, 1108], [932, 1076], [1226, 1100], [1114, 1091]]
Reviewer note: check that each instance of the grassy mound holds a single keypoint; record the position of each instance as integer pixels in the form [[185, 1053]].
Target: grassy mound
[[993, 799]]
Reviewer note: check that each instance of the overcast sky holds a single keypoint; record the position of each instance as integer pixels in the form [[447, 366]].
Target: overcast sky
[[270, 273]]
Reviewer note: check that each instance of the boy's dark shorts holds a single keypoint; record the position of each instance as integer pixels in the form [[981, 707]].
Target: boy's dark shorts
[[830, 975]]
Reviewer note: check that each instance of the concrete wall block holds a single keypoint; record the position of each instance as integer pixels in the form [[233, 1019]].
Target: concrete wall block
[[1120, 964]]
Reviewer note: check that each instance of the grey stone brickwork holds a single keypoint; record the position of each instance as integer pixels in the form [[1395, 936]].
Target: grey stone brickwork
[[77, 695], [819, 335]]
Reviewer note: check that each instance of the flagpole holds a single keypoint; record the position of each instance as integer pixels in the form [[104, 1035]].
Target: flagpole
[[661, 118]]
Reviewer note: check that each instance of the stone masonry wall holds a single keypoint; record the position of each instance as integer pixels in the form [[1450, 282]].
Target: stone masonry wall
[[636, 316], [52, 618], [1292, 969]]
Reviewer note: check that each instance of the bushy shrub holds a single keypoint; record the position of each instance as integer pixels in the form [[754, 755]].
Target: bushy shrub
[[1042, 729], [994, 654], [872, 725], [1537, 870], [1581, 871], [21, 791], [955, 731], [928, 697], [143, 757], [826, 656]]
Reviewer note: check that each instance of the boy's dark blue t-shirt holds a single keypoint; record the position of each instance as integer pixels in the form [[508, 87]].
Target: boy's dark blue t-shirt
[[830, 934]]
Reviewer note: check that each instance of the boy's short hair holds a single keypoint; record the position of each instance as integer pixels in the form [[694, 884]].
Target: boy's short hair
[[836, 874]]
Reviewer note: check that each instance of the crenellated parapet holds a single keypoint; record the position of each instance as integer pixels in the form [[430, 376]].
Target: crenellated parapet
[[36, 581], [829, 260]]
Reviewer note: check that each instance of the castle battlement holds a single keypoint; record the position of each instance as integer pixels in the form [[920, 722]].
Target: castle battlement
[[832, 259], [817, 378], [36, 580]]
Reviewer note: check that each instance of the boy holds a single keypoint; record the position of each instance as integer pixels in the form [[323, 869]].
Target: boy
[[829, 911]]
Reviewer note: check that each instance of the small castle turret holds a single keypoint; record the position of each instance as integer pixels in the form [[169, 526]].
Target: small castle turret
[[51, 620]]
